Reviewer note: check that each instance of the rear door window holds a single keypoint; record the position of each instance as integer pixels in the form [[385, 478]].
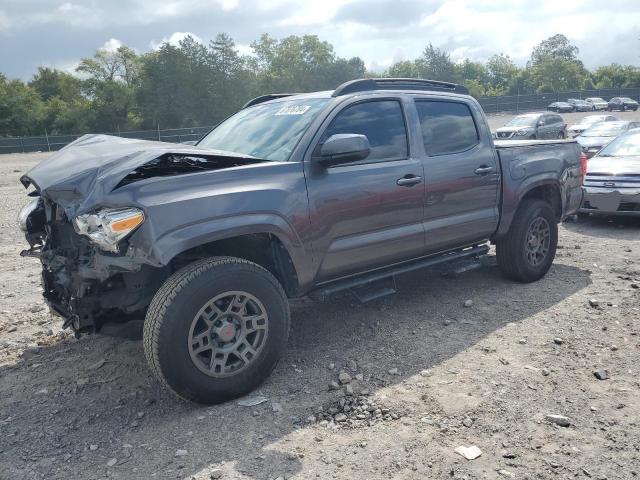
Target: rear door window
[[447, 127], [381, 121]]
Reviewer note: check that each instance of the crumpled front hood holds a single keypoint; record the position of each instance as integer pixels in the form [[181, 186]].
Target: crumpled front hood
[[78, 176]]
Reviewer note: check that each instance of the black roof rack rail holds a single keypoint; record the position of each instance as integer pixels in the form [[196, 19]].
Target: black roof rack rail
[[266, 98], [366, 84]]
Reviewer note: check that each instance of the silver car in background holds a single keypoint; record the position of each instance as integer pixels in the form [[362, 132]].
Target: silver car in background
[[596, 137], [612, 184], [587, 122], [598, 103]]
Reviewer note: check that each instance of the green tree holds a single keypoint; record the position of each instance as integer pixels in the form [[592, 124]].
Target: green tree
[[110, 84], [557, 46], [49, 83], [21, 109], [502, 73], [436, 64], [405, 69], [617, 76]]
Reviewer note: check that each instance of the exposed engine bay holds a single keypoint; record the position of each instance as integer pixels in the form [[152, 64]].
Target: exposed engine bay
[[83, 217], [85, 286]]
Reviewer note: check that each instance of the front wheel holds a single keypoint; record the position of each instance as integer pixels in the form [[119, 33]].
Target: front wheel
[[216, 329], [526, 252]]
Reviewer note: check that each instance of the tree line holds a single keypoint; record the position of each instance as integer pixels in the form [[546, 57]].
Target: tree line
[[193, 84]]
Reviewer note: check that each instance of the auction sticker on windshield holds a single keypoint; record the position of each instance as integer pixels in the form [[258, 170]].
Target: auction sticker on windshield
[[293, 110]]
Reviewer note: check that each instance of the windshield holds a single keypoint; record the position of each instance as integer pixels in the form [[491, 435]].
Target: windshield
[[595, 99], [268, 131], [523, 122], [624, 146], [604, 130]]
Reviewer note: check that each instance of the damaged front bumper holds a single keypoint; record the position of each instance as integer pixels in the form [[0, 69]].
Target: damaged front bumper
[[85, 286]]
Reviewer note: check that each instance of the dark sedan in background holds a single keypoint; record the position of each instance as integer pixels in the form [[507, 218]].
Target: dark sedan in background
[[612, 184], [587, 122], [560, 107], [596, 137], [622, 104], [533, 126], [580, 105]]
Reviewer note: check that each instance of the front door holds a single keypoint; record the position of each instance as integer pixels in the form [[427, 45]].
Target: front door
[[461, 173], [366, 213]]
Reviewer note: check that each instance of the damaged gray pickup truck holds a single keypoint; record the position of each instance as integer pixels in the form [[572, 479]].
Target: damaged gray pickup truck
[[294, 195]]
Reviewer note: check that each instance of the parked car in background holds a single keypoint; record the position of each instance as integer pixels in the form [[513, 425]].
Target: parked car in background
[[612, 185], [622, 104], [596, 137], [533, 126], [560, 107], [580, 105], [597, 103], [587, 122]]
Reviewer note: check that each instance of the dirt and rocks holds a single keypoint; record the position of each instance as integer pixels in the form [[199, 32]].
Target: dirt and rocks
[[534, 381]]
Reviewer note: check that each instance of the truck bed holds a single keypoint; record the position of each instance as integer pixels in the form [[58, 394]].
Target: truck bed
[[527, 163]]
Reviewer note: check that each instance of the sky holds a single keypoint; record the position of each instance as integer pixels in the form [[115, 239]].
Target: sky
[[58, 33]]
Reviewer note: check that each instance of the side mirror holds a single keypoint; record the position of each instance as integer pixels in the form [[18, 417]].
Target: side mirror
[[541, 123], [343, 148]]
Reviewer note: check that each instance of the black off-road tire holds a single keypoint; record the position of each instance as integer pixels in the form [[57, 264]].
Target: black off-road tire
[[177, 303], [511, 250]]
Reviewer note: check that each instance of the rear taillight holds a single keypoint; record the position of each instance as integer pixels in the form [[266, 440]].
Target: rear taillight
[[583, 165]]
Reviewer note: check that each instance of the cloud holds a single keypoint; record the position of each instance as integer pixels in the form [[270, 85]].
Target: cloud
[[174, 39], [111, 45], [39, 32]]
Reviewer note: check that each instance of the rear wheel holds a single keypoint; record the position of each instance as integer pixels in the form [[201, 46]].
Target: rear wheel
[[526, 252], [216, 329]]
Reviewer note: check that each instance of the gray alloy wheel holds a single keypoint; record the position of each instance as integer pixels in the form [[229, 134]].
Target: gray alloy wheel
[[538, 239], [227, 333]]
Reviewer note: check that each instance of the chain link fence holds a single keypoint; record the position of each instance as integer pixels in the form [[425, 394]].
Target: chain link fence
[[49, 143], [502, 104]]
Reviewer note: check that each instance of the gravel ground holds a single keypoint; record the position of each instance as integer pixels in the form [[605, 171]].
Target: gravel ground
[[421, 374]]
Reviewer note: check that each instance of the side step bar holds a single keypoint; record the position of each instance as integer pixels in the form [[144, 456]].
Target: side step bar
[[390, 272]]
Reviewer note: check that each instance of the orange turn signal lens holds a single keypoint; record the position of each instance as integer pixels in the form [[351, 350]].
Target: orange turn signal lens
[[127, 224]]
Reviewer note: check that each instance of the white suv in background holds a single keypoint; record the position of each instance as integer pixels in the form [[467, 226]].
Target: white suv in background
[[597, 102]]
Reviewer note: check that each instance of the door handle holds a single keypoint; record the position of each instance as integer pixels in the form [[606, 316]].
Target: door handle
[[409, 180], [483, 170]]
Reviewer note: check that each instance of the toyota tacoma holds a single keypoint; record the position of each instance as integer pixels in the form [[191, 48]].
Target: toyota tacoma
[[303, 194]]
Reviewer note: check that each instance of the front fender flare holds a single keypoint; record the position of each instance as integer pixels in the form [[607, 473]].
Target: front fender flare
[[185, 237]]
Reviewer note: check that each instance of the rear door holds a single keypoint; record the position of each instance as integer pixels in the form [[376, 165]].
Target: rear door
[[544, 127], [461, 172], [553, 124], [367, 213]]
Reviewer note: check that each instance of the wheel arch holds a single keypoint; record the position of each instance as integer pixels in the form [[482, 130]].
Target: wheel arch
[[266, 249], [263, 238], [548, 190]]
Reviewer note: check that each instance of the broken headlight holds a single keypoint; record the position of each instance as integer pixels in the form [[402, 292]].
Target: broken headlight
[[107, 227], [27, 210]]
